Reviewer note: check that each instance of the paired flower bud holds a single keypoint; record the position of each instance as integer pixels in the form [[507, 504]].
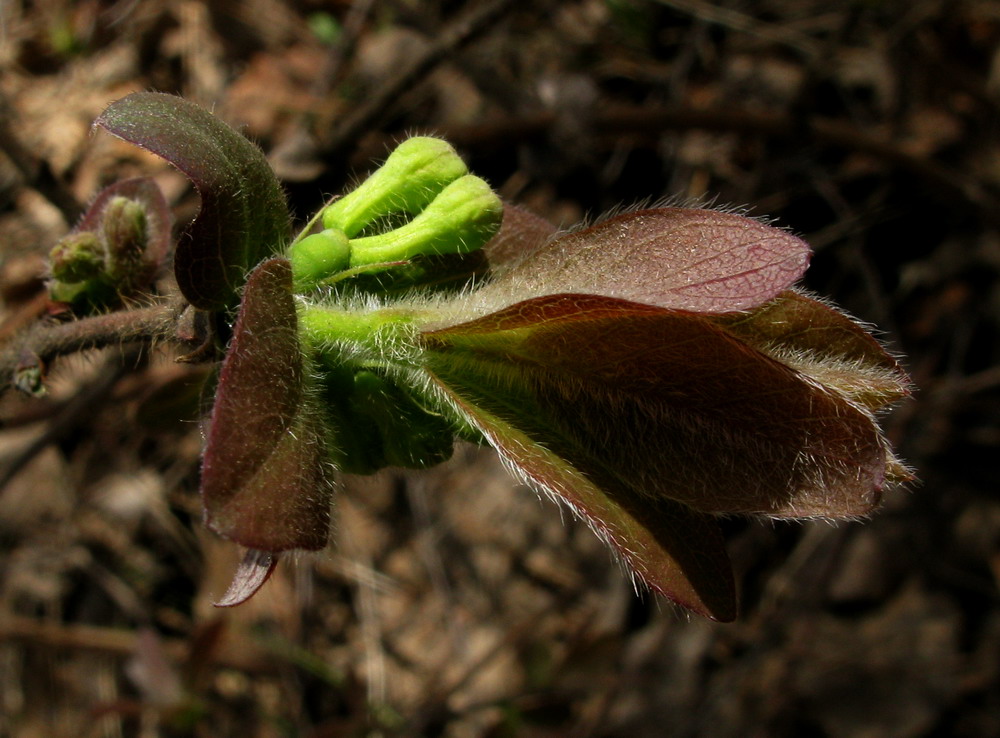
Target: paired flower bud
[[413, 175], [115, 250], [424, 186]]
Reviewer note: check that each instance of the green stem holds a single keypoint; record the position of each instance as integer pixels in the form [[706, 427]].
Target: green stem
[[382, 333]]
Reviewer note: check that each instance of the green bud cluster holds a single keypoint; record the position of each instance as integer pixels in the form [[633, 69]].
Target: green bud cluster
[[94, 267], [421, 203], [421, 219]]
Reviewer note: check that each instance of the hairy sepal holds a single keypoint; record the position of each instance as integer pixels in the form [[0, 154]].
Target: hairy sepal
[[243, 216], [266, 482]]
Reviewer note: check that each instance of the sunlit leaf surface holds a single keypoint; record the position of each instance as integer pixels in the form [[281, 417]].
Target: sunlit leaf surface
[[683, 259]]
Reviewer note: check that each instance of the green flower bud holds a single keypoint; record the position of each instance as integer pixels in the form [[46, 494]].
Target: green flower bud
[[319, 256], [77, 257], [461, 219], [413, 175], [123, 226]]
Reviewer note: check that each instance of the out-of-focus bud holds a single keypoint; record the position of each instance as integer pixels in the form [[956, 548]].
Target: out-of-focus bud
[[413, 175], [77, 257], [461, 219], [124, 228]]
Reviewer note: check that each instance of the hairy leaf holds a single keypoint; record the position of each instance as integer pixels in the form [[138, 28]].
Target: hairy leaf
[[521, 233], [675, 550], [642, 417], [820, 341], [243, 217], [674, 406], [266, 483], [678, 258]]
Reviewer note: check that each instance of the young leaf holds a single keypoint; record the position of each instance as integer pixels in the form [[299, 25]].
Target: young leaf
[[675, 550], [158, 217], [115, 250], [670, 405], [266, 482], [677, 258], [820, 341], [243, 217]]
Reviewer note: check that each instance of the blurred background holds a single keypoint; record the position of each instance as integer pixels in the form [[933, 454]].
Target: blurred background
[[452, 602]]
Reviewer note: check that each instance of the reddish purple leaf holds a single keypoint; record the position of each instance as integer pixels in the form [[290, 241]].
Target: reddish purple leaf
[[675, 550], [266, 482], [521, 233], [243, 217], [682, 259], [647, 421], [675, 404], [820, 341]]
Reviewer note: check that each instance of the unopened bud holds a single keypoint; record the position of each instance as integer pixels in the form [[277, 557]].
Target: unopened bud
[[460, 220], [123, 225], [413, 175], [77, 257], [319, 256]]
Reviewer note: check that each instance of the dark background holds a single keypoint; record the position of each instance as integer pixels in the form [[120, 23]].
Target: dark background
[[452, 602]]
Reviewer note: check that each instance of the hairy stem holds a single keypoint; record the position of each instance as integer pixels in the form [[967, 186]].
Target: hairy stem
[[45, 341]]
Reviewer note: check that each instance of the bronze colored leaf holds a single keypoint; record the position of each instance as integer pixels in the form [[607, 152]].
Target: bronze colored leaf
[[266, 482]]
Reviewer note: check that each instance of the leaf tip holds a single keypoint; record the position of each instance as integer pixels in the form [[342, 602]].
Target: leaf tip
[[251, 574]]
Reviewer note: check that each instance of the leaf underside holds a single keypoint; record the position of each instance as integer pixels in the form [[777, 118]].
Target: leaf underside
[[243, 217], [266, 483], [647, 421]]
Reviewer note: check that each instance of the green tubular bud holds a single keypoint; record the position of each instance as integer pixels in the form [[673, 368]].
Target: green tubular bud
[[461, 219], [77, 257], [411, 437], [319, 256], [413, 175]]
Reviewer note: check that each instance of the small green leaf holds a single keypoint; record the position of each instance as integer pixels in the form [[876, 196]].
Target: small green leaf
[[243, 217]]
